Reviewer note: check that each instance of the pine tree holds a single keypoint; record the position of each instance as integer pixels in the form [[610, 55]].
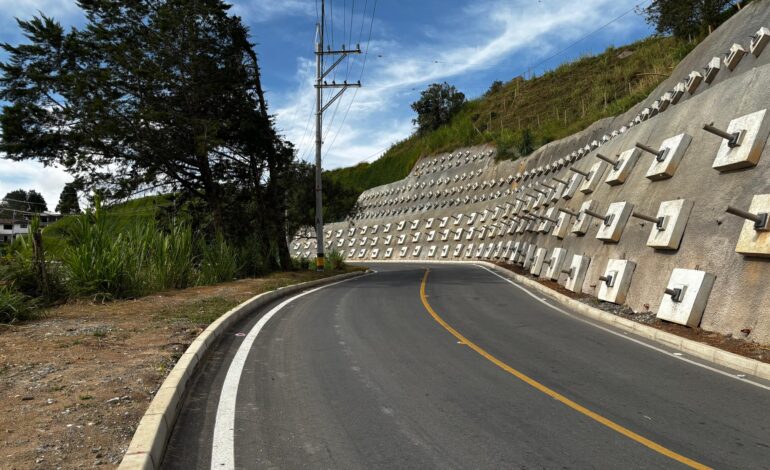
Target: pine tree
[[68, 200]]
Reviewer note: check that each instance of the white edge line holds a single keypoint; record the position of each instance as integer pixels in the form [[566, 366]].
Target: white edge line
[[625, 336], [223, 442]]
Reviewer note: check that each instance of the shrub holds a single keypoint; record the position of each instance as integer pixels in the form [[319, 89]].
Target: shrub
[[219, 262], [334, 260], [301, 263], [251, 261], [15, 306], [17, 267]]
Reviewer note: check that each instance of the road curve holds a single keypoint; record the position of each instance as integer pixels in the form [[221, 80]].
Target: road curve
[[474, 373]]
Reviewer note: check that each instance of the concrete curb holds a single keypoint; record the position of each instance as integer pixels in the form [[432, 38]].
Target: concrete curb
[[151, 436], [694, 348]]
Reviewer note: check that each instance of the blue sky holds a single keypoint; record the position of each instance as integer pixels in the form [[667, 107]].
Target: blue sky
[[413, 43]]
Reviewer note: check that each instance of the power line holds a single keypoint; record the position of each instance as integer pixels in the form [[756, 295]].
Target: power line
[[24, 202], [531, 67], [301, 143], [363, 66], [328, 93], [337, 106], [587, 36]]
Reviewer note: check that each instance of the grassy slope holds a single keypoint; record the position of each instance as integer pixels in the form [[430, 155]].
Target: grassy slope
[[586, 90]]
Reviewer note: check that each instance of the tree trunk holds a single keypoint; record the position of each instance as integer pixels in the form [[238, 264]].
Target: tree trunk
[[40, 270]]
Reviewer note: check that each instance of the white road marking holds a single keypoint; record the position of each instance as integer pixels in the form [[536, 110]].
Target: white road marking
[[223, 443], [675, 355]]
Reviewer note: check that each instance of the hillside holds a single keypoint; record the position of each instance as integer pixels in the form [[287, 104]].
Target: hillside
[[548, 107], [650, 216]]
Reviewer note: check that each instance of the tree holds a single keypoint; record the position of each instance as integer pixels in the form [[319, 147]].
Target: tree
[[495, 87], [68, 200], [527, 144], [685, 18], [436, 106], [25, 201], [161, 94], [340, 201]]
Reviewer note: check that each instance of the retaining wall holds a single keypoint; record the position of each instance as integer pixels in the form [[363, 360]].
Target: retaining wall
[[446, 185]]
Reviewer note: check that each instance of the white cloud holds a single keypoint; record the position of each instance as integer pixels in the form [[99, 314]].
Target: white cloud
[[32, 175], [481, 36], [259, 11], [24, 8]]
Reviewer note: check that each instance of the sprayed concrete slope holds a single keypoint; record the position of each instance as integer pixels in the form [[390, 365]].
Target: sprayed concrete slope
[[468, 181]]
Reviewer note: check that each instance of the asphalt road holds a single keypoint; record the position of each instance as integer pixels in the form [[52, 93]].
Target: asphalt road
[[477, 373]]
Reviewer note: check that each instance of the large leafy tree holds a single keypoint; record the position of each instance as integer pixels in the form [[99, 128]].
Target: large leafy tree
[[340, 201], [686, 18], [152, 94], [436, 106]]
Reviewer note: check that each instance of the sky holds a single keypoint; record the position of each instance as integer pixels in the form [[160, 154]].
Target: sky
[[408, 45]]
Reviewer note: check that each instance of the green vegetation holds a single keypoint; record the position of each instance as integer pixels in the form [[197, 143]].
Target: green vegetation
[[334, 260], [689, 18], [166, 96], [436, 106], [202, 312], [522, 115], [22, 201], [15, 306], [68, 199], [122, 252]]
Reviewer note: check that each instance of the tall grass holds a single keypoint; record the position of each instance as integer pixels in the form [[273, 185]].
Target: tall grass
[[104, 261], [104, 255], [107, 257], [172, 258], [219, 261]]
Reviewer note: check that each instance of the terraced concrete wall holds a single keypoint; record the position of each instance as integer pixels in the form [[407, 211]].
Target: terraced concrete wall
[[740, 298]]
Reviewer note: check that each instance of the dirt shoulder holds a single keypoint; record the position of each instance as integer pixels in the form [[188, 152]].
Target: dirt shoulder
[[76, 382], [741, 346]]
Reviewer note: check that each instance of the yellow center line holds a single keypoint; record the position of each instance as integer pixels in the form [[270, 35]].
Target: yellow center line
[[552, 393]]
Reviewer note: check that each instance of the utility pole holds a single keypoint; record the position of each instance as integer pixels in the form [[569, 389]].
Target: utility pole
[[320, 85]]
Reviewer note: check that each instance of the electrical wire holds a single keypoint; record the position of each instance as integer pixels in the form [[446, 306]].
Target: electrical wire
[[531, 67], [339, 102], [301, 144], [363, 66], [574, 43], [24, 202]]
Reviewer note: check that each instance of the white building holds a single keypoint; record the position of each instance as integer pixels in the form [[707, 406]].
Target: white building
[[12, 228]]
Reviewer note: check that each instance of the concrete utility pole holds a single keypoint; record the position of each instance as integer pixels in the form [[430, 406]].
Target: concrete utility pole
[[320, 85]]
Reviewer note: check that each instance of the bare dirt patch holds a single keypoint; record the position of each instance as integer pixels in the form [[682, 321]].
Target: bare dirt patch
[[741, 346], [75, 383]]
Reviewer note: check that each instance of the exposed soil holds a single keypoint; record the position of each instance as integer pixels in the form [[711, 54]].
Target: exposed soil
[[75, 382], [742, 346]]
